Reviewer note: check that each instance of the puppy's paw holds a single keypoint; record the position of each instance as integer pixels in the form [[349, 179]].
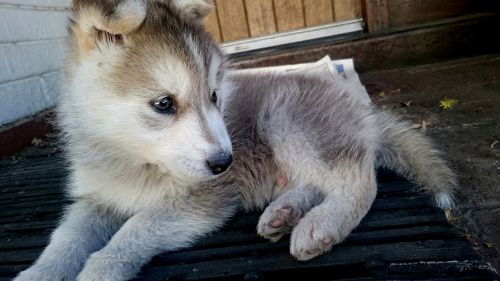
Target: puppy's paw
[[37, 273], [104, 267], [278, 219], [313, 236]]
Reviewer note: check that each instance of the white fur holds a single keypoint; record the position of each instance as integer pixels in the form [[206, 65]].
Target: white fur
[[214, 69], [172, 75], [130, 197], [195, 10], [443, 200], [131, 10], [218, 129], [196, 54]]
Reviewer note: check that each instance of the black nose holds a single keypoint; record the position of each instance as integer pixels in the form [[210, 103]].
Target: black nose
[[220, 163]]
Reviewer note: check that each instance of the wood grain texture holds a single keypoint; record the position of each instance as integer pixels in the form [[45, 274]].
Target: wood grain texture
[[260, 15], [318, 12], [212, 25], [376, 15], [347, 9], [289, 14], [232, 19], [417, 11]]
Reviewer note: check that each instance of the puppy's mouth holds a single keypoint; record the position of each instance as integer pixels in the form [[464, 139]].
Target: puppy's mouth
[[189, 172]]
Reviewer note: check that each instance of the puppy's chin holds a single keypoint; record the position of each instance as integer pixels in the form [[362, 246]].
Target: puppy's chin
[[192, 179], [186, 175]]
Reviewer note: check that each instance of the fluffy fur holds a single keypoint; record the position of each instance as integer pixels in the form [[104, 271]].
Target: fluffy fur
[[140, 180]]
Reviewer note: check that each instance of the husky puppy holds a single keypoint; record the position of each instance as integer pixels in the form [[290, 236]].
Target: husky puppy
[[147, 116]]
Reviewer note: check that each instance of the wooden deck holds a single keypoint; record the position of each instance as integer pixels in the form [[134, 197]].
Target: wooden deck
[[403, 237]]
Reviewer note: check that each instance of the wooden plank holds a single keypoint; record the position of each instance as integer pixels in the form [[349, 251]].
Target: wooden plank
[[28, 204], [401, 203], [31, 217], [373, 220], [260, 15], [289, 14], [34, 172], [376, 15], [21, 165], [212, 25], [11, 270], [318, 12], [20, 256], [263, 247], [35, 211], [339, 256], [28, 227], [12, 183], [232, 19], [34, 199], [419, 11], [31, 184], [347, 9], [231, 238], [24, 242]]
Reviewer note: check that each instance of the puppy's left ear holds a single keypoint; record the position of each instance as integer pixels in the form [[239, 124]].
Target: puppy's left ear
[[105, 23], [195, 10]]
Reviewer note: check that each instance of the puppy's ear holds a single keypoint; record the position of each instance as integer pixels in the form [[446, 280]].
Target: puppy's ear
[[194, 10], [105, 21]]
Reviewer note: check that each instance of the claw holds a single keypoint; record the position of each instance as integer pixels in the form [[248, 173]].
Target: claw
[[287, 210], [327, 241]]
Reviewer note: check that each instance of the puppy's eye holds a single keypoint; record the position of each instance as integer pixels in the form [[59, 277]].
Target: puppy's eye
[[164, 105], [213, 97]]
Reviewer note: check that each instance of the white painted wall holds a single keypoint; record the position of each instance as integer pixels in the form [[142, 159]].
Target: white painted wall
[[32, 50]]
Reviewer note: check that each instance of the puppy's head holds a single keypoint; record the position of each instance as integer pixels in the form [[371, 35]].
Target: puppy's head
[[146, 81]]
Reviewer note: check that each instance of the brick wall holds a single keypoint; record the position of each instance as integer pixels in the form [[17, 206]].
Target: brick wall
[[32, 50]]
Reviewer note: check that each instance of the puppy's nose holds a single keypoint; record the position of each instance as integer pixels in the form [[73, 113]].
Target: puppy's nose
[[219, 163]]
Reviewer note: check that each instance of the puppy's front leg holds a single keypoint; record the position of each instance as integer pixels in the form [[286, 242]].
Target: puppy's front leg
[[85, 228], [143, 236]]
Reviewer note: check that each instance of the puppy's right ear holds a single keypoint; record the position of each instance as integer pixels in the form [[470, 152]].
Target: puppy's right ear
[[105, 21], [194, 10]]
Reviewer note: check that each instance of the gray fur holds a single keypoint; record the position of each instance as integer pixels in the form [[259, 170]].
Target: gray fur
[[307, 143]]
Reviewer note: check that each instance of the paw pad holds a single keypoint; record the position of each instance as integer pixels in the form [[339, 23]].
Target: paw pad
[[276, 223]]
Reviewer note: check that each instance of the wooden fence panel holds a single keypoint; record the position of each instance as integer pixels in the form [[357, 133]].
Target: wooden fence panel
[[212, 25], [318, 12], [347, 9], [260, 15], [289, 14], [239, 19], [232, 19]]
